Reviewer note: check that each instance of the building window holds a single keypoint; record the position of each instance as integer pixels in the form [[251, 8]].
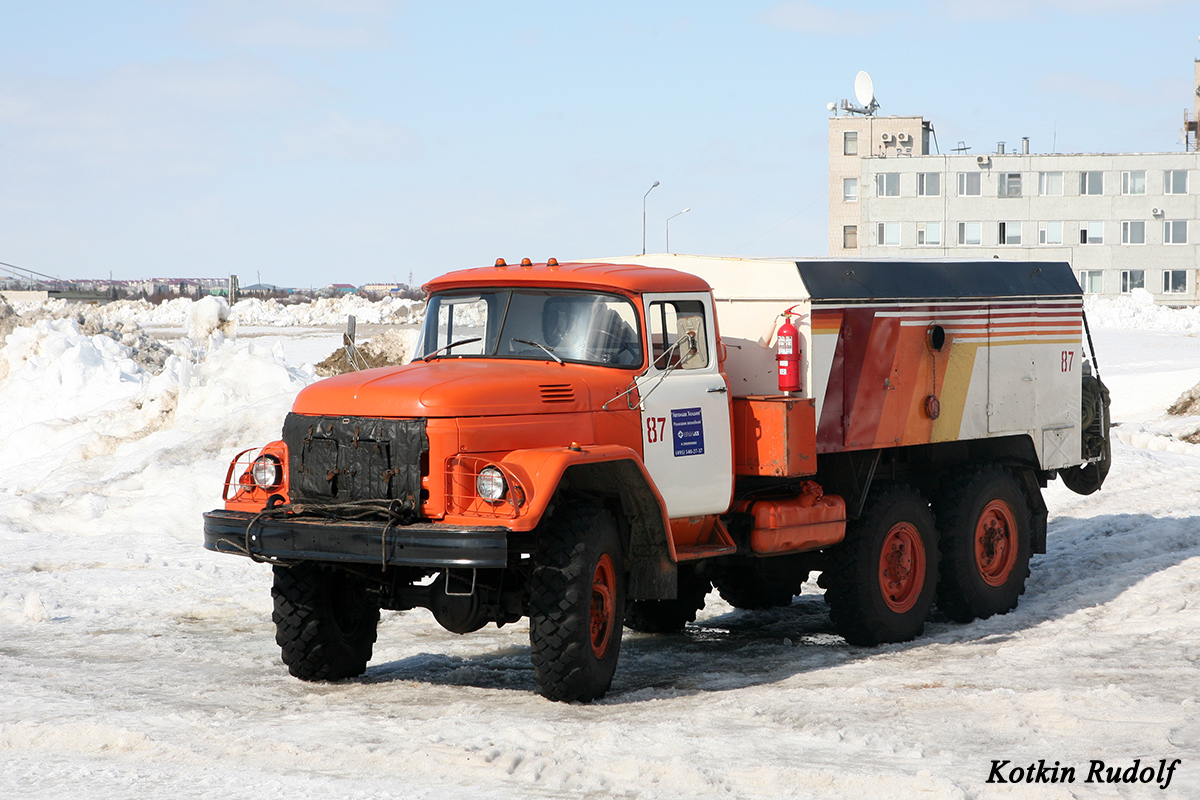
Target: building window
[[850, 237], [1009, 233], [929, 184], [1175, 181], [1050, 184], [1175, 231], [1132, 279], [850, 190], [1091, 183], [929, 233], [850, 143], [970, 232], [1092, 280], [1010, 184], [888, 234], [1050, 233], [1133, 182], [969, 184], [1091, 233], [887, 184], [1174, 281], [1133, 231]]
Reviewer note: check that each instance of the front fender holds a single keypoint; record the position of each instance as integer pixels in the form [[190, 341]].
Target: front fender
[[612, 471]]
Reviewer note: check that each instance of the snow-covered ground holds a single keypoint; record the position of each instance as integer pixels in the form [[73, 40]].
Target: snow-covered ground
[[135, 663]]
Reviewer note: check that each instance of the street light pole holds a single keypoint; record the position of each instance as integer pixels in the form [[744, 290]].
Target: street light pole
[[647, 194], [673, 216]]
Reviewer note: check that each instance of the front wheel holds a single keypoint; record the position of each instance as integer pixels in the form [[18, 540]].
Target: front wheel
[[325, 621], [881, 578], [577, 604]]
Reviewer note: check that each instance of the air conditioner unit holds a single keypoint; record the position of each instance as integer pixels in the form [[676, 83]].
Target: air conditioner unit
[[982, 159], [886, 138], [1156, 212], [904, 138]]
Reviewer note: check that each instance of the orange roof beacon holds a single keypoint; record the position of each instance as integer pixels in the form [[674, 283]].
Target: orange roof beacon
[[596, 445]]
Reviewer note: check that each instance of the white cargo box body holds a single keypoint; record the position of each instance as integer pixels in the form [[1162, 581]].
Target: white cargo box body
[[910, 352]]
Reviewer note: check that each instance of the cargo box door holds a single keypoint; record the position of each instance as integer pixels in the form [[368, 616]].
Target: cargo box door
[[1012, 398]]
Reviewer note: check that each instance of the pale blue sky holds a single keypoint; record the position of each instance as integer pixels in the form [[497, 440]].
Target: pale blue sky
[[317, 141]]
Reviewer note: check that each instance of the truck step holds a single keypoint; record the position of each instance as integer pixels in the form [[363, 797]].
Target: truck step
[[691, 552]]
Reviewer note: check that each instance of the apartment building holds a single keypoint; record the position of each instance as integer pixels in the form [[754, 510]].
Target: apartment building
[[1123, 220]]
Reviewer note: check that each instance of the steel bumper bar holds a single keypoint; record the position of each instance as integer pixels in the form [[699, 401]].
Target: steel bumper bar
[[307, 539]]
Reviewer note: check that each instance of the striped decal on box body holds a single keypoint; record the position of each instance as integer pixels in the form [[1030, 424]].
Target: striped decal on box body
[[882, 369]]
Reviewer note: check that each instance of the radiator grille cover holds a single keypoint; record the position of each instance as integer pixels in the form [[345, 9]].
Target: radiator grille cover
[[342, 459]]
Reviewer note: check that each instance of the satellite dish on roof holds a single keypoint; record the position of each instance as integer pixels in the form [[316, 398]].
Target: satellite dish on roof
[[864, 89]]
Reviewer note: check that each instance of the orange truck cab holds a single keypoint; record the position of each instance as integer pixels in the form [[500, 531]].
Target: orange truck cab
[[567, 446]]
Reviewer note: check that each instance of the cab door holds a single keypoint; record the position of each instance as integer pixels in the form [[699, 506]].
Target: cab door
[[686, 427]]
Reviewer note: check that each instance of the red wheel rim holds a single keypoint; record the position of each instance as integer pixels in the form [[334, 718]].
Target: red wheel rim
[[604, 592], [996, 543], [902, 567]]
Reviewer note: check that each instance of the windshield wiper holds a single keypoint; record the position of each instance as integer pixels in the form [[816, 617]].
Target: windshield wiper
[[449, 346], [549, 352]]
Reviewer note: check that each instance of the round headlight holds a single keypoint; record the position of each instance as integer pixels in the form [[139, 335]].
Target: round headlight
[[490, 484], [267, 472]]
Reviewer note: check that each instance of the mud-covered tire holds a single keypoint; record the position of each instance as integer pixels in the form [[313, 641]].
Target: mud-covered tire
[[984, 529], [577, 604], [768, 582], [879, 582], [325, 621], [670, 616]]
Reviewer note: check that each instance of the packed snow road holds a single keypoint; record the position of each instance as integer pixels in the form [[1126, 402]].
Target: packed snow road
[[134, 662]]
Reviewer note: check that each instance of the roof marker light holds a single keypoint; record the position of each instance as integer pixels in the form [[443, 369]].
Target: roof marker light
[[526, 263], [552, 263], [501, 263]]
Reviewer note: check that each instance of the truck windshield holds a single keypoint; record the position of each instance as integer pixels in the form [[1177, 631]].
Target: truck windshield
[[583, 327]]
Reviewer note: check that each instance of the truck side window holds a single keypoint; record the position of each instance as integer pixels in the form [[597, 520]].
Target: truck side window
[[671, 319]]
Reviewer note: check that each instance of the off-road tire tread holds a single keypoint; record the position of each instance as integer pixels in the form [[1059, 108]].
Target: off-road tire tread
[[850, 578], [310, 643], [954, 593], [559, 617]]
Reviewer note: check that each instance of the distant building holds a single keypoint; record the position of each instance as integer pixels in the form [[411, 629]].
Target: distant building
[[263, 290], [1123, 220], [382, 288], [340, 288]]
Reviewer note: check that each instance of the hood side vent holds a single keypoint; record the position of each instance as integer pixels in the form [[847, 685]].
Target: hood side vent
[[557, 392]]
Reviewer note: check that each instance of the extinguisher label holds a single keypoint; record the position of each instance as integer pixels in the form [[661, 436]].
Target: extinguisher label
[[785, 345], [687, 431]]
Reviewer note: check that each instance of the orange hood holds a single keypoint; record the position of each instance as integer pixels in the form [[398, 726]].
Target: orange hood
[[454, 387]]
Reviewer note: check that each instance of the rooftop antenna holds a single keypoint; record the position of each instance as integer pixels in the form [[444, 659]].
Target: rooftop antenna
[[864, 93], [962, 147]]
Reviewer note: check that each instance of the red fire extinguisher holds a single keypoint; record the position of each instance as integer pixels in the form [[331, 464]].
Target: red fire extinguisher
[[787, 354]]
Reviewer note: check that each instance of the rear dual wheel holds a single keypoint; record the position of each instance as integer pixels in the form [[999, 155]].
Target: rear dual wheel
[[880, 580], [984, 525]]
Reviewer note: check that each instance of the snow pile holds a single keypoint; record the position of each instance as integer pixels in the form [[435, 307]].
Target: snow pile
[[328, 311], [208, 316], [81, 411], [1138, 311], [178, 313]]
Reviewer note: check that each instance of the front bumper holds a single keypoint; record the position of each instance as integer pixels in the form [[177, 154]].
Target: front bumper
[[304, 539]]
